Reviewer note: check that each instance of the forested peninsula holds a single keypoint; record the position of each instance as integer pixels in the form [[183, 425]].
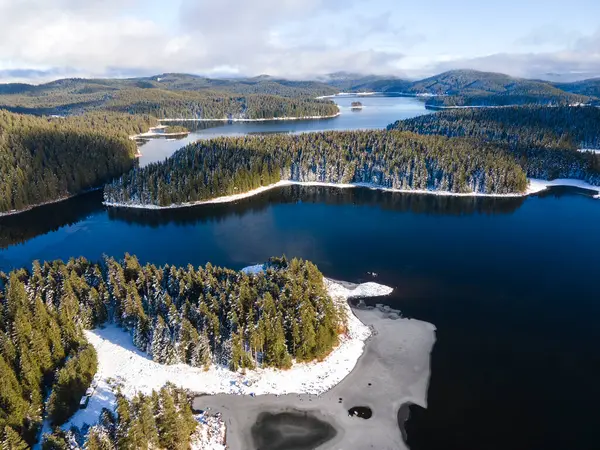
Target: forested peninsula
[[185, 315], [47, 159], [544, 140], [390, 159]]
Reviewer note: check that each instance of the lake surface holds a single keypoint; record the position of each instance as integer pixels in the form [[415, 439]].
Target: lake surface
[[511, 285], [378, 112]]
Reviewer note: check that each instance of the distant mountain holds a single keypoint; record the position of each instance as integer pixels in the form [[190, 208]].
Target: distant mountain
[[174, 92], [470, 88], [590, 87], [173, 95], [351, 82], [474, 88]]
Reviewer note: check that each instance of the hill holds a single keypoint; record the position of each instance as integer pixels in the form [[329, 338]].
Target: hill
[[544, 140], [44, 159], [172, 95], [590, 88], [474, 88]]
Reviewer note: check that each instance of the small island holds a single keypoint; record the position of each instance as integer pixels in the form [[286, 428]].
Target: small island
[[356, 106]]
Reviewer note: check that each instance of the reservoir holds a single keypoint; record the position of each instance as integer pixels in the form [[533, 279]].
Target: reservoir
[[510, 283]]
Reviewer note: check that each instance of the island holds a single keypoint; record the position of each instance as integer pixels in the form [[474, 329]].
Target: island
[[356, 106]]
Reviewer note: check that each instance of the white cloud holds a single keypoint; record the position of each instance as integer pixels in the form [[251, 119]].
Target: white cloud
[[299, 38]]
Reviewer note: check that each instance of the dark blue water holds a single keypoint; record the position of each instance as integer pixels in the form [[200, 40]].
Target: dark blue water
[[378, 112], [511, 284]]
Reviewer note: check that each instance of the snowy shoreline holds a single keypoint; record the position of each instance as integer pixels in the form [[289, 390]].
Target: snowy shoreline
[[330, 116], [535, 186], [119, 360]]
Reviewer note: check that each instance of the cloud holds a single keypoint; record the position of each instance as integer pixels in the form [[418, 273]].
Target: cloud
[[548, 35], [280, 37], [560, 66], [44, 39]]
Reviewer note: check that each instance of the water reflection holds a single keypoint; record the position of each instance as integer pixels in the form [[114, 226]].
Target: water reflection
[[20, 228], [391, 201]]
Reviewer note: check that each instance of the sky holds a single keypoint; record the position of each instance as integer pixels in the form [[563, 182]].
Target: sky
[[49, 39]]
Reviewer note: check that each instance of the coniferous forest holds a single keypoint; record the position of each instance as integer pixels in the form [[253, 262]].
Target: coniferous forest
[[543, 140], [178, 98], [225, 166], [193, 316], [46, 159], [162, 420]]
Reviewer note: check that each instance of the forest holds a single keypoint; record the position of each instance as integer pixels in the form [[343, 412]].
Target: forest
[[161, 420], [474, 88], [172, 96], [42, 350], [46, 159], [543, 140], [175, 314], [225, 166]]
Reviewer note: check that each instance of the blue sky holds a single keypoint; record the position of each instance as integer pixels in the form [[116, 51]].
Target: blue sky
[[45, 39]]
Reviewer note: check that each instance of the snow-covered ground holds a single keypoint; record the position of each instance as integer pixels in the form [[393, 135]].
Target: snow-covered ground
[[535, 186], [276, 119], [121, 362], [210, 434], [349, 94], [590, 150]]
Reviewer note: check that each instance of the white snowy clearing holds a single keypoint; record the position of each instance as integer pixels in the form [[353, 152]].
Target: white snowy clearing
[[210, 434], [119, 360], [272, 119], [535, 186], [590, 150]]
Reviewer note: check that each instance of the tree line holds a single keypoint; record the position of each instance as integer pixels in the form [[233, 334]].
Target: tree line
[[177, 315], [161, 420], [543, 140], [42, 351], [187, 98], [226, 166], [45, 159]]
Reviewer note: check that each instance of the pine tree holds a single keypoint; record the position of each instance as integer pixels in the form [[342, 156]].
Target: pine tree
[[12, 441]]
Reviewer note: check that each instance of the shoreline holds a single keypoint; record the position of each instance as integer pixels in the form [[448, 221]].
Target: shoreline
[[393, 371], [49, 202], [118, 358], [276, 119], [535, 186]]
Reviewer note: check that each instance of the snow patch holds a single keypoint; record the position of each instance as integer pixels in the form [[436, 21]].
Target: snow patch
[[252, 270], [537, 185], [589, 150], [210, 434], [119, 361]]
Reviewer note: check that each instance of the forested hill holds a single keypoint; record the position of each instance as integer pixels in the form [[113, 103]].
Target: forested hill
[[46, 159], [225, 166], [475, 88], [544, 140], [173, 96], [178, 315], [590, 88]]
